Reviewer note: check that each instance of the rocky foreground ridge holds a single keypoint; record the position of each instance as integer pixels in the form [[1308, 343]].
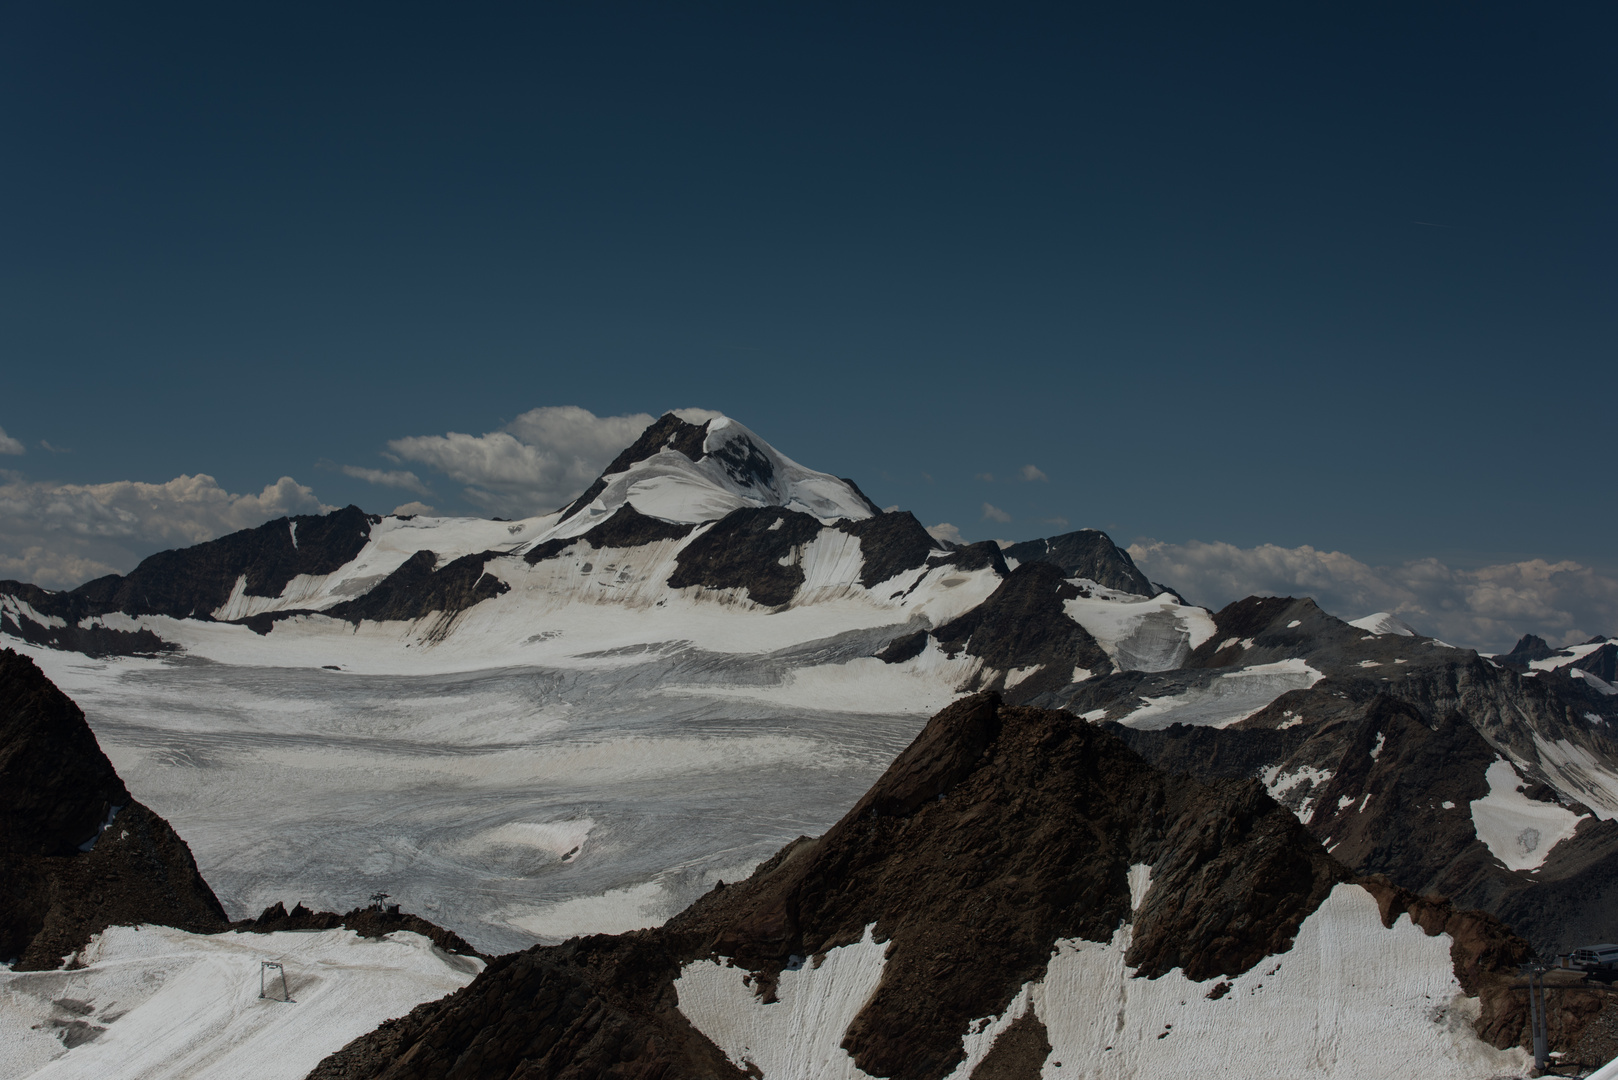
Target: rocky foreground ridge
[[1000, 833]]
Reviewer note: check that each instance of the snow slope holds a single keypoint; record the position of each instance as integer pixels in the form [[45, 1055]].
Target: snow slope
[[735, 469], [1517, 830], [1350, 999], [154, 1002], [1384, 623]]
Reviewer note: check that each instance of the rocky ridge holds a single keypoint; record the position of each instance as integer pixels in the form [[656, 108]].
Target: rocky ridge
[[77, 852], [998, 832]]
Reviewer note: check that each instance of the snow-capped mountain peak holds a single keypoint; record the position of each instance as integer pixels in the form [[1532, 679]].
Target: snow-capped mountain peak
[[688, 472]]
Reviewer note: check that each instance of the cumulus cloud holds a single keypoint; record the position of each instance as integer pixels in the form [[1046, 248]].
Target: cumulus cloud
[[397, 478], [536, 463], [60, 535], [411, 509], [986, 477], [1487, 608], [1031, 473], [994, 513], [946, 532], [8, 445]]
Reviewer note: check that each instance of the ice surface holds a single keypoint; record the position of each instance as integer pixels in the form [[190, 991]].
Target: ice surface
[[1350, 999], [1140, 634], [153, 1002], [1519, 831], [1575, 771], [1384, 623], [462, 794], [799, 1036], [1225, 700]]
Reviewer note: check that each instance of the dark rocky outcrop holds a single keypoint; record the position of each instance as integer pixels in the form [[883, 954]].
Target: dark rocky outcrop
[[1530, 647], [626, 527], [77, 853], [745, 549], [997, 832], [1395, 800], [194, 581], [373, 921], [1088, 553], [1023, 625], [417, 590], [667, 432], [92, 639], [890, 543], [1601, 662], [983, 555], [191, 582]]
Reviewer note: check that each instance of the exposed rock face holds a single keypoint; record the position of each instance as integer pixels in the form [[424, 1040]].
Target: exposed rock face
[[891, 543], [417, 590], [1088, 553], [77, 854], [626, 528], [1389, 785], [1602, 663], [1530, 648], [1022, 626], [667, 432], [999, 831], [194, 581], [374, 922], [745, 550]]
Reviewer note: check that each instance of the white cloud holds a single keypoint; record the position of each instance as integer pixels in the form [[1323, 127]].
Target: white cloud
[[1030, 473], [994, 513], [8, 445], [60, 535], [947, 532], [536, 463], [411, 509], [398, 478], [1487, 608]]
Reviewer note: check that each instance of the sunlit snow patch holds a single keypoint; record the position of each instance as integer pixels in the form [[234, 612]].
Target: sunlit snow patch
[[155, 1002], [1350, 999], [1519, 831], [797, 1037], [1223, 701], [1140, 634], [1384, 623]]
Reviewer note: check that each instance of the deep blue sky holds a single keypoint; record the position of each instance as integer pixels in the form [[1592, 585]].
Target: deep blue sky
[[1337, 274]]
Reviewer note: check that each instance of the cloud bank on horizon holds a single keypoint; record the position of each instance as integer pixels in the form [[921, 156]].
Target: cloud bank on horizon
[[1487, 608], [59, 535]]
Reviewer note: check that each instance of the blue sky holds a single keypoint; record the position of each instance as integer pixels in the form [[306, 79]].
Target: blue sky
[[1336, 276]]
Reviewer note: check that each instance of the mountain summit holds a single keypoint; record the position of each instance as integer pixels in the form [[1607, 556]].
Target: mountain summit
[[681, 471]]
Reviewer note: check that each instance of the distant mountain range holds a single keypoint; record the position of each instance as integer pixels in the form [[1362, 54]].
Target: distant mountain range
[[1492, 781]]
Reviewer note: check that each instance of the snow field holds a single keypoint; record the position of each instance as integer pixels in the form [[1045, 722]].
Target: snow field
[[1230, 697], [1517, 830], [1141, 634], [162, 1003], [462, 795], [1581, 775], [799, 1036], [1351, 999], [1384, 623]]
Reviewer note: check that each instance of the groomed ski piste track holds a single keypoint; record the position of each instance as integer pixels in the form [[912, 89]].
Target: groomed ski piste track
[[154, 1003]]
